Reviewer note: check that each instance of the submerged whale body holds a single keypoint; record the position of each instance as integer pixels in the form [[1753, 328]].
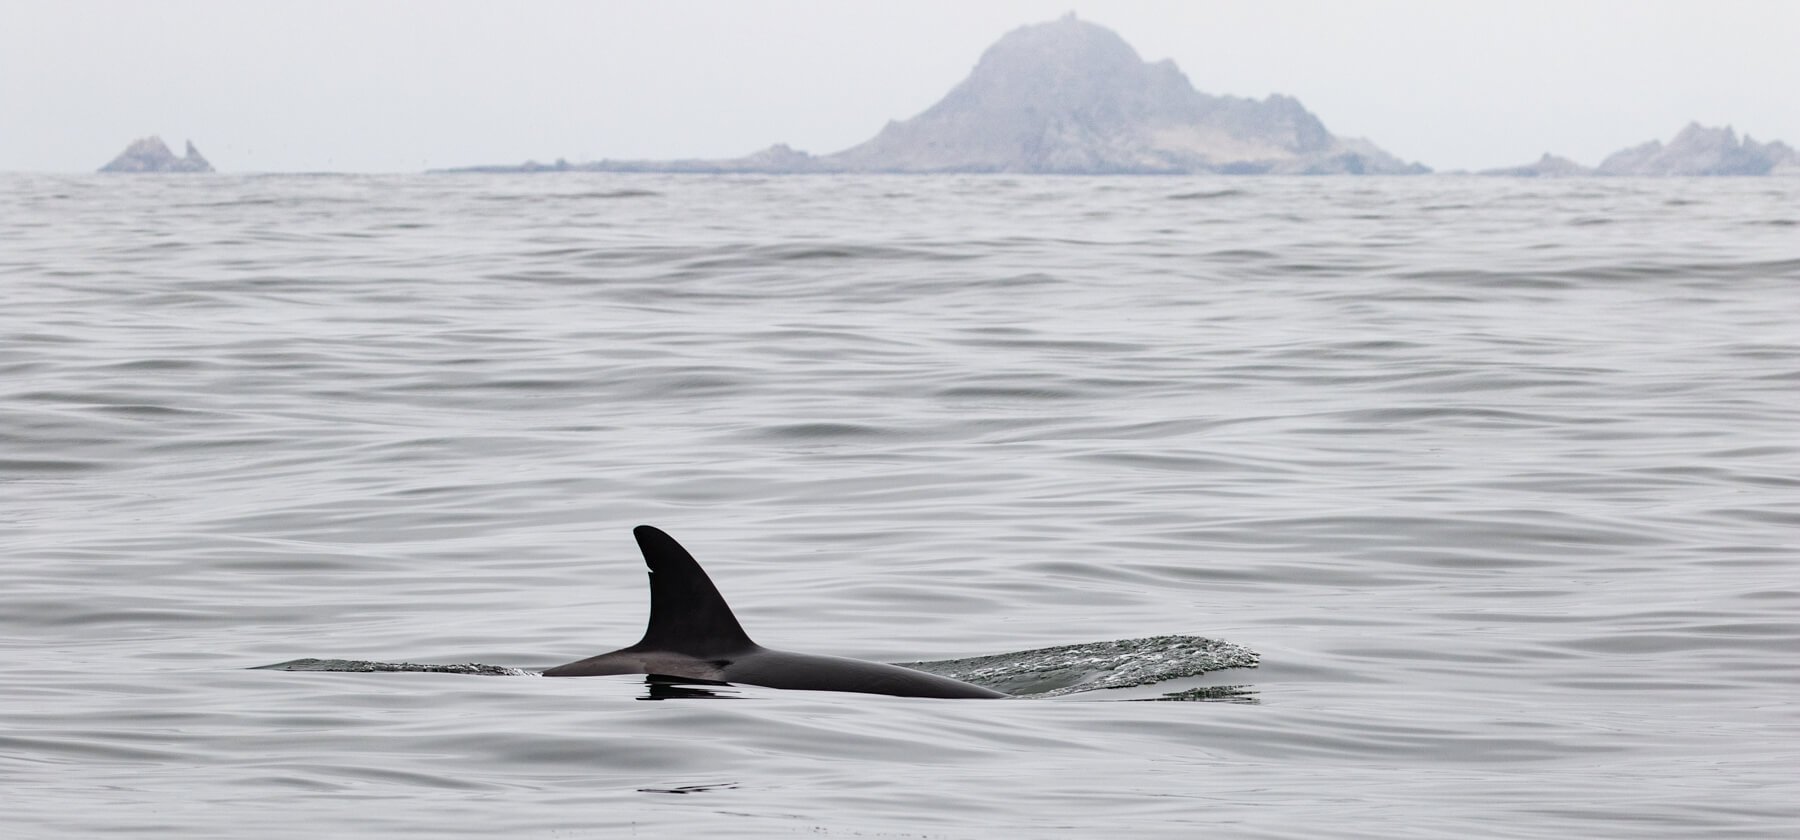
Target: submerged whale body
[[693, 635]]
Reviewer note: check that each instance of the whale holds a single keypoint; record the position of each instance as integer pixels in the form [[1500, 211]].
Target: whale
[[692, 634]]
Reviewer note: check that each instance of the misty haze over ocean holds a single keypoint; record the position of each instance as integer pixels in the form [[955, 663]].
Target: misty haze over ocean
[[1070, 97], [405, 86]]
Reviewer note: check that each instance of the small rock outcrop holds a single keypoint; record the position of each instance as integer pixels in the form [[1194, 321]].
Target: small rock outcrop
[[1548, 166], [1699, 150], [151, 155]]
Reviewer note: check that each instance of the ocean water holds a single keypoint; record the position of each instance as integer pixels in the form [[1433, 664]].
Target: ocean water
[[1501, 479]]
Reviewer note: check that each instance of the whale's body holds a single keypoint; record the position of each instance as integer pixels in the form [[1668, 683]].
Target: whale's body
[[692, 634]]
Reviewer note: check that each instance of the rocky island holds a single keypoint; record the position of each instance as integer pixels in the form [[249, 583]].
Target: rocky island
[[1695, 151], [1070, 97], [151, 155], [1548, 166]]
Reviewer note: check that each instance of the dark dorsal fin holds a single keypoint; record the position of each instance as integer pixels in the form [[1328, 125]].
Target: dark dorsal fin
[[687, 613]]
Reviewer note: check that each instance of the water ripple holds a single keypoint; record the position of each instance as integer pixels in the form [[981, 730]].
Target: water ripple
[[1497, 476]]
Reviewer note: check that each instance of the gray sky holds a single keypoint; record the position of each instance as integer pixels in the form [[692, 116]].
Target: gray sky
[[405, 85]]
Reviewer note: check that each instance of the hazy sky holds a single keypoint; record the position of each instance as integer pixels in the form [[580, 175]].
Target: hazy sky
[[404, 86]]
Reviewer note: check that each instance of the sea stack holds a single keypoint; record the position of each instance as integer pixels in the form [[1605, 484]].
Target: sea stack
[[1548, 166], [150, 154]]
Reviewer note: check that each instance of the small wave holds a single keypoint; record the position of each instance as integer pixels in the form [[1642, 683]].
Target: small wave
[[240, 202], [818, 431], [611, 194], [1241, 255], [762, 256], [359, 666], [1005, 392], [34, 466], [1203, 195]]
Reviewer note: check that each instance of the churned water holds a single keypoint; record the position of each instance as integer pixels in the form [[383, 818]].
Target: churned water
[[1501, 478]]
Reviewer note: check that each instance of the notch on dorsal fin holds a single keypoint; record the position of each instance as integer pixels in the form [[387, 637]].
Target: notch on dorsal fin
[[687, 613]]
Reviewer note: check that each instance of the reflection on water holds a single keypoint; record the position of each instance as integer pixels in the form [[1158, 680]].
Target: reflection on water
[[1209, 694], [684, 789], [660, 687]]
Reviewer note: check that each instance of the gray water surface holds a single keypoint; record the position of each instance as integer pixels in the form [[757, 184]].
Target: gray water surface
[[1501, 478]]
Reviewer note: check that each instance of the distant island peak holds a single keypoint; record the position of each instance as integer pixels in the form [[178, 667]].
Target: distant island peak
[[151, 154], [1070, 97]]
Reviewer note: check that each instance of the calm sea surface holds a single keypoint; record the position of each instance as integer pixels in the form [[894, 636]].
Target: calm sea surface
[[1501, 478]]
